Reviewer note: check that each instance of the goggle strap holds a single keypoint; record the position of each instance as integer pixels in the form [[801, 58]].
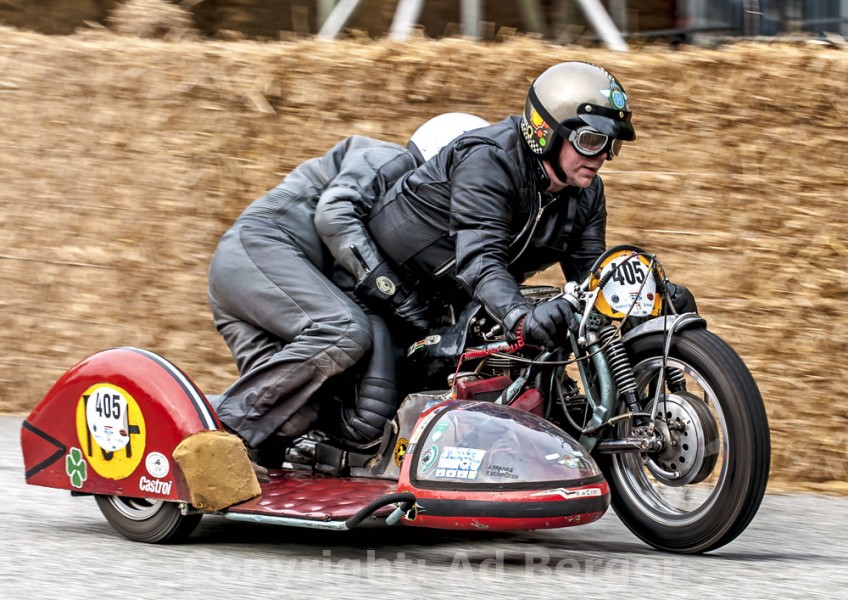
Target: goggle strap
[[555, 125]]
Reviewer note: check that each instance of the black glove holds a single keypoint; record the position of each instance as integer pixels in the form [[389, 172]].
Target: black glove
[[681, 298], [548, 322], [413, 311], [381, 290]]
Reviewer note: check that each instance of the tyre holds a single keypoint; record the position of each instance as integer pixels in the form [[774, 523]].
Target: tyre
[[702, 490], [150, 521]]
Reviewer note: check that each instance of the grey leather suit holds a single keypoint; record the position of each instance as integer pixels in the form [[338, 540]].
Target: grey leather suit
[[288, 326]]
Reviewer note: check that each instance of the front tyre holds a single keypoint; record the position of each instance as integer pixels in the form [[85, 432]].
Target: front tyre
[[150, 521], [719, 422]]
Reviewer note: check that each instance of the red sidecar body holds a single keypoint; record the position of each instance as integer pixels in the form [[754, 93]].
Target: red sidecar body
[[110, 425]]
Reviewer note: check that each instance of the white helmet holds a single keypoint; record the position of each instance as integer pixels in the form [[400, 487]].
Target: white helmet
[[439, 131]]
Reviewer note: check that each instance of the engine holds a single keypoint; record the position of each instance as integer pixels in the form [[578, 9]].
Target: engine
[[484, 329]]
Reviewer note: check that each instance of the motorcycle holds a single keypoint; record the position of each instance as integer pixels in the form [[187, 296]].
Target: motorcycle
[[668, 410], [644, 410]]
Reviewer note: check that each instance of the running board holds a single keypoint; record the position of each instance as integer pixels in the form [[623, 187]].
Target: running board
[[404, 501]]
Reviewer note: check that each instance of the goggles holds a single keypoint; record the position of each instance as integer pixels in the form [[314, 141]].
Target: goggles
[[589, 142]]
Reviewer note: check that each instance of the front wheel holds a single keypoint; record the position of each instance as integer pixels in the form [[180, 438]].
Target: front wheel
[[150, 521], [702, 490]]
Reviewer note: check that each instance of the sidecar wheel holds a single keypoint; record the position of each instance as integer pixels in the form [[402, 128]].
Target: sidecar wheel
[[719, 423], [150, 521]]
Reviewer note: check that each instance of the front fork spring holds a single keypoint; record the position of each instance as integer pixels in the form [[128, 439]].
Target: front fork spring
[[675, 379], [622, 372]]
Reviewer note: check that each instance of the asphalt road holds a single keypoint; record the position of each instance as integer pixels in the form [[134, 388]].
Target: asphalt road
[[56, 546]]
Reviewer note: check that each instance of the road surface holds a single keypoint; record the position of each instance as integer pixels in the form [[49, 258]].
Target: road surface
[[55, 546]]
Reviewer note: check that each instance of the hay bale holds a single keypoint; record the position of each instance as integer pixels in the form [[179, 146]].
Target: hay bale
[[152, 19]]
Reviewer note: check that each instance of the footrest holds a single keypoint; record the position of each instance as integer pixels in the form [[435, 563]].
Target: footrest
[[305, 495]]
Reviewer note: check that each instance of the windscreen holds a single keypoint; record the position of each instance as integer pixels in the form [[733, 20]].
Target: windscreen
[[490, 444]]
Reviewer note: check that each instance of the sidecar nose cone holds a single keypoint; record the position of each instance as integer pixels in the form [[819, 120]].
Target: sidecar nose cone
[[480, 465]]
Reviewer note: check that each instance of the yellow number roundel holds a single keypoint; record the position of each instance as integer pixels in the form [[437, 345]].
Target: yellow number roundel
[[111, 430], [630, 288]]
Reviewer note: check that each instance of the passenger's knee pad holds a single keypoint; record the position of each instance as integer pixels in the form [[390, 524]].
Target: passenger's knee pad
[[376, 403]]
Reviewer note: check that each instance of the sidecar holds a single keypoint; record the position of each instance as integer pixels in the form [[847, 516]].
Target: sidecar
[[114, 427]]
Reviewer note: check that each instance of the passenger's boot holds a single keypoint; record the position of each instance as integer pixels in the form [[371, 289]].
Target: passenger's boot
[[262, 475]]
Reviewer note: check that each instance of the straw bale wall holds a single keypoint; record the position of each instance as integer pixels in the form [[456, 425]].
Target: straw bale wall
[[123, 160]]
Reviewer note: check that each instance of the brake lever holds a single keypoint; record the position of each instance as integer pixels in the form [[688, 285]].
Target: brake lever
[[578, 295]]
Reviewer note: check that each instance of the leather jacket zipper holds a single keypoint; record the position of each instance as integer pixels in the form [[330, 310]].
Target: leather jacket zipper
[[532, 222], [538, 218]]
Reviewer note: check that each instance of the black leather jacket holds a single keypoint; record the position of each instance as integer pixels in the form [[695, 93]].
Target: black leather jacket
[[475, 220]]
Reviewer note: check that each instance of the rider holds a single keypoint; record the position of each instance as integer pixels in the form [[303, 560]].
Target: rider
[[289, 327], [507, 201]]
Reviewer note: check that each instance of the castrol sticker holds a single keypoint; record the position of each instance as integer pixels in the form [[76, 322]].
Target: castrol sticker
[[154, 486], [111, 430]]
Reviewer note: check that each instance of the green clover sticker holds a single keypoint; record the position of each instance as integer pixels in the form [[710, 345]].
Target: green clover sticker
[[75, 467]]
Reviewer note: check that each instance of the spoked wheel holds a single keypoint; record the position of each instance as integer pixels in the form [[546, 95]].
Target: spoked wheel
[[703, 488], [151, 521]]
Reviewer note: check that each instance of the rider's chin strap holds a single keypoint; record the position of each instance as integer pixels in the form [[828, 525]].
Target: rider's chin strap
[[558, 171], [541, 173], [553, 160]]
